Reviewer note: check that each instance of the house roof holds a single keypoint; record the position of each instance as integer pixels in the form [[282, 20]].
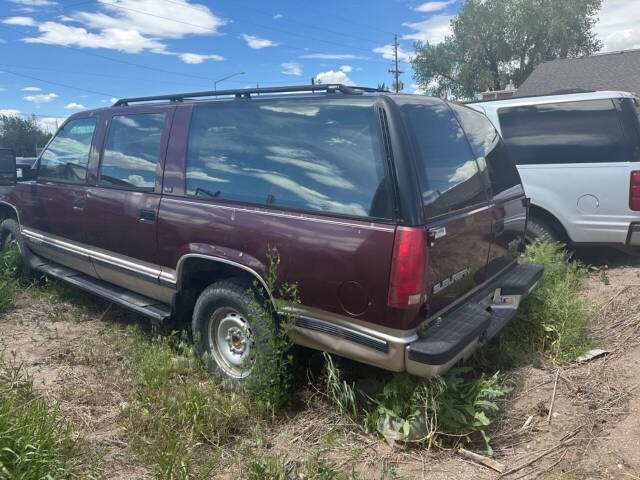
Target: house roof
[[607, 71]]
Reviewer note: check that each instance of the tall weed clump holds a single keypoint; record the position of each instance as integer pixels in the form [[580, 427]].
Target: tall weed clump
[[269, 386], [553, 321], [9, 273]]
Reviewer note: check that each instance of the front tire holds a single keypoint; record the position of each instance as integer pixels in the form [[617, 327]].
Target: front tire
[[11, 237], [229, 331]]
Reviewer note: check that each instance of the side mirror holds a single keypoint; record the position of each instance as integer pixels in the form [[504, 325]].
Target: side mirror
[[7, 167]]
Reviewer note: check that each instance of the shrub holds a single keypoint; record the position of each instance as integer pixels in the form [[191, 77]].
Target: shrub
[[553, 322]]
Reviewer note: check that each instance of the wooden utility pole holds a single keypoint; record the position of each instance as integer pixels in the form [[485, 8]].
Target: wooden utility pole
[[396, 72]]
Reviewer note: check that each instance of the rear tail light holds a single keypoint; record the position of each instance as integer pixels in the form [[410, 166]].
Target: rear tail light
[[634, 191], [407, 281]]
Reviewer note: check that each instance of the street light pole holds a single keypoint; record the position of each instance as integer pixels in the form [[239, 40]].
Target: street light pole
[[215, 84]]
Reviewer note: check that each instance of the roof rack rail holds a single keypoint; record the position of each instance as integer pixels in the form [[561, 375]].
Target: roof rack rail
[[247, 92]]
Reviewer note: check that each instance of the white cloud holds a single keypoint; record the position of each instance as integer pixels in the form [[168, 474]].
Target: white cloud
[[333, 77], [257, 43], [74, 106], [31, 89], [346, 68], [433, 30], [22, 21], [128, 41], [197, 58], [113, 99], [291, 68], [131, 26], [388, 53], [10, 112], [34, 3], [41, 98], [331, 56], [417, 89], [433, 6], [278, 16], [50, 124], [617, 26]]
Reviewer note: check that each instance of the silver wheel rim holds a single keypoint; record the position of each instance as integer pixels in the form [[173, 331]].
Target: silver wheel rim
[[230, 342]]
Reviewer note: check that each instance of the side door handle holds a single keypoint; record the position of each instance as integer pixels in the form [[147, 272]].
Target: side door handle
[[78, 203], [147, 216]]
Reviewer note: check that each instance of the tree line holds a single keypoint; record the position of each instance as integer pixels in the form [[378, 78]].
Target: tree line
[[22, 135]]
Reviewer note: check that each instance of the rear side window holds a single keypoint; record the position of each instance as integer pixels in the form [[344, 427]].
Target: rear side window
[[570, 132], [65, 158], [490, 150], [318, 155], [131, 151], [447, 170]]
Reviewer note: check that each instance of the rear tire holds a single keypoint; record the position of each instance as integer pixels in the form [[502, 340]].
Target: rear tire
[[11, 237], [229, 332], [541, 231]]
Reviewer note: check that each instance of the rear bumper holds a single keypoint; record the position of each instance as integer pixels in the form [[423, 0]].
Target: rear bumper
[[459, 332], [633, 238], [463, 329]]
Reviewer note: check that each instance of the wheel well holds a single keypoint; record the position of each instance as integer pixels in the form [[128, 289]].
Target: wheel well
[[548, 218], [196, 274], [7, 211]]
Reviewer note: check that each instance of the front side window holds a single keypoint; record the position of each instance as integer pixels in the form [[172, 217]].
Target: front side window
[[66, 157], [568, 132], [490, 150], [308, 154], [131, 151], [447, 170]]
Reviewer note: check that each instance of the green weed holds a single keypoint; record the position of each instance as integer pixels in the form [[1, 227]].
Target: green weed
[[342, 394], [553, 321], [35, 442], [443, 409], [9, 274], [269, 386]]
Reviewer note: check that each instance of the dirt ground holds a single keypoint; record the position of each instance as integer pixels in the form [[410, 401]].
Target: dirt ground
[[592, 431]]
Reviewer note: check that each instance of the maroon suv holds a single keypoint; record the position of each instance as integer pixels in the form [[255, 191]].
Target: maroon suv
[[399, 217]]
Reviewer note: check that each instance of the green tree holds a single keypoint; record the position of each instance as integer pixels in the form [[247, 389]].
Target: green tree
[[22, 135], [382, 86], [494, 42]]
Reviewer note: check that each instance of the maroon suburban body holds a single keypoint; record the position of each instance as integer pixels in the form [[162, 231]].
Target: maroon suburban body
[[387, 211]]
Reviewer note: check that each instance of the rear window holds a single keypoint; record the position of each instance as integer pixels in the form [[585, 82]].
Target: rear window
[[570, 132], [307, 154], [448, 174], [490, 150]]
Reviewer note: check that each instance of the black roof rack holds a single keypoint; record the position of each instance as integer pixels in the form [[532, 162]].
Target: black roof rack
[[246, 92]]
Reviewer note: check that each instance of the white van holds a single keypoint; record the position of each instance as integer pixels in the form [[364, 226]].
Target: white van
[[578, 155]]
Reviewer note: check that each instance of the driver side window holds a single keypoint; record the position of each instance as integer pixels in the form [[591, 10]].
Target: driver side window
[[66, 157]]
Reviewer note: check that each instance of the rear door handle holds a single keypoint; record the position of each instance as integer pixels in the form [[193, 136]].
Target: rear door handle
[[78, 203], [147, 216]]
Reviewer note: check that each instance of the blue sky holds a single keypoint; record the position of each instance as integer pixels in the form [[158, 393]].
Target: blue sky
[[57, 57]]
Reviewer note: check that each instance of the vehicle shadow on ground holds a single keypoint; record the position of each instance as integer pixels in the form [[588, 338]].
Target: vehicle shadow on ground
[[606, 256]]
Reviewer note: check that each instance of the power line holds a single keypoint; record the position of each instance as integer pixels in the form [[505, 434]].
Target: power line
[[57, 83], [329, 42]]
